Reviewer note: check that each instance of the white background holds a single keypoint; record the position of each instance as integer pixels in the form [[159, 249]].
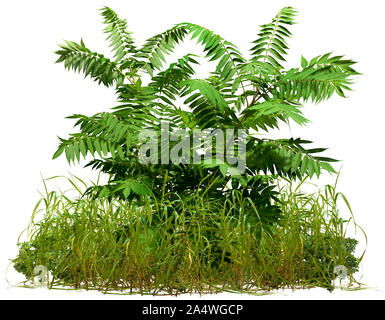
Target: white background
[[37, 94]]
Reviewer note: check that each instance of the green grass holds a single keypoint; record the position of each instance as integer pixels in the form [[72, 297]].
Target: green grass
[[202, 247]]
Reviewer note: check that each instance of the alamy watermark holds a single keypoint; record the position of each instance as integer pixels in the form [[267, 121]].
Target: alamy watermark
[[211, 147]]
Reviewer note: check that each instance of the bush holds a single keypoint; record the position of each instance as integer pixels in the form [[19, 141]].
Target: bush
[[212, 218]]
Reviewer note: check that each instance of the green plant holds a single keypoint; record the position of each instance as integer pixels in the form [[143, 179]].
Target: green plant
[[253, 94], [206, 226], [113, 246]]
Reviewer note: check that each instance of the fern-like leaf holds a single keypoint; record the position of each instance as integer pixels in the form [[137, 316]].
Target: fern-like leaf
[[284, 111], [154, 50], [271, 44], [79, 58], [209, 107], [317, 80], [216, 48], [287, 157], [120, 39]]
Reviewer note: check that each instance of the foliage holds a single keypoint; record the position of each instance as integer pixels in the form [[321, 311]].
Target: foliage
[[255, 94], [114, 245]]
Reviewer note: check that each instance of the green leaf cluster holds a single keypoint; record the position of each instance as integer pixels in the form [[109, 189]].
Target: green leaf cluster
[[255, 94]]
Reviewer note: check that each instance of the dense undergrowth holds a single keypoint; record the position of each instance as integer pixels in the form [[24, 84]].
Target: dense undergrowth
[[210, 219], [113, 245]]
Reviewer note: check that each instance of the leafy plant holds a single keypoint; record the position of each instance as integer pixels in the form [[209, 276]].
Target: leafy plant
[[255, 94], [112, 245]]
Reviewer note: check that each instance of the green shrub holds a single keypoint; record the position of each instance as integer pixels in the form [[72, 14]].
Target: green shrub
[[252, 94], [195, 226]]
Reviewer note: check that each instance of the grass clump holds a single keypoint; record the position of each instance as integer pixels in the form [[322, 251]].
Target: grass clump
[[201, 247]]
